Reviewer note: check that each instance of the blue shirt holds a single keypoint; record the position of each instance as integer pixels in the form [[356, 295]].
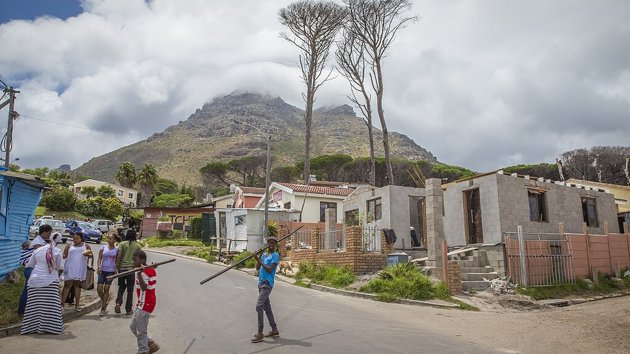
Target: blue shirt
[[268, 259]]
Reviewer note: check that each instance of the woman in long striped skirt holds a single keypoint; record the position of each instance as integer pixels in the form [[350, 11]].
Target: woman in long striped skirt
[[43, 305]]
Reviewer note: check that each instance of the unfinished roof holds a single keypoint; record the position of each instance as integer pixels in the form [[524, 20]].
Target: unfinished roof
[[316, 189]]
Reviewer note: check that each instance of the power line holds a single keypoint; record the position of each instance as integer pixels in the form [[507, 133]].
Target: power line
[[75, 126]]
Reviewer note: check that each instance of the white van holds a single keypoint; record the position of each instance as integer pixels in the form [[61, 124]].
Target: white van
[[104, 225]]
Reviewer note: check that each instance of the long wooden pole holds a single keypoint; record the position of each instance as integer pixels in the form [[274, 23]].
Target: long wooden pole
[[246, 258], [127, 272]]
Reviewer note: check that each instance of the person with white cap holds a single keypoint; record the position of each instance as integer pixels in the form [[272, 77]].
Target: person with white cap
[[266, 264], [43, 305]]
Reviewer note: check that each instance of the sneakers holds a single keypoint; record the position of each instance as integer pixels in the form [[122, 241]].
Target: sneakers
[[102, 313], [117, 308], [273, 333], [129, 313], [153, 347], [258, 337]]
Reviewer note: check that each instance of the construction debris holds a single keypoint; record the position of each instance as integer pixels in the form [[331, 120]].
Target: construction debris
[[501, 286]]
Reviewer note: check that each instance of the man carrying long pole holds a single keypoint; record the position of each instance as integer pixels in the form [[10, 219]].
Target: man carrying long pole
[[266, 264]]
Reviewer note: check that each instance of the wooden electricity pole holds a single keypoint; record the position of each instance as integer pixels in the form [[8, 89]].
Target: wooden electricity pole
[[8, 140]]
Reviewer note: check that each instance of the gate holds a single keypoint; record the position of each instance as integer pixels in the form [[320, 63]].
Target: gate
[[539, 259], [208, 227]]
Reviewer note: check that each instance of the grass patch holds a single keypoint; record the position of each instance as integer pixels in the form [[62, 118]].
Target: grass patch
[[464, 306], [250, 263], [204, 253], [9, 299], [404, 281], [302, 283], [581, 288], [159, 242], [325, 274]]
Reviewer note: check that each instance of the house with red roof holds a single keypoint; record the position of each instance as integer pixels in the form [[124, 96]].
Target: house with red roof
[[312, 200]]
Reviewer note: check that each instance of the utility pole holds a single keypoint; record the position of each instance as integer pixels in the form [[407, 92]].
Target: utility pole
[[8, 142]]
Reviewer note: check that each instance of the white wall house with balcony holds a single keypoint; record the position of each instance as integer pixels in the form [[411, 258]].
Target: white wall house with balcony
[[128, 196]]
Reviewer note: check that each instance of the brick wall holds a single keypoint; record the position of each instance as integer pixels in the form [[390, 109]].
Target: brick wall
[[353, 257], [454, 278]]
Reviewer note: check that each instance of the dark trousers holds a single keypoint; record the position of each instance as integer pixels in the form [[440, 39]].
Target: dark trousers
[[22, 304], [263, 304], [127, 282]]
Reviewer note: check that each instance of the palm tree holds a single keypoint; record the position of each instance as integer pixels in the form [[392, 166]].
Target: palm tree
[[126, 174], [147, 180]]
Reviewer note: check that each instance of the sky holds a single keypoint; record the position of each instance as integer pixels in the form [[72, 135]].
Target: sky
[[480, 84]]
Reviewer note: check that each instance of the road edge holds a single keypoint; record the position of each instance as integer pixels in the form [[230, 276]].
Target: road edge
[[67, 317]]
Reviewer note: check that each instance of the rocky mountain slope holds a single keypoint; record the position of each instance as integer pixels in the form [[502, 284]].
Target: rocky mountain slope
[[211, 134]]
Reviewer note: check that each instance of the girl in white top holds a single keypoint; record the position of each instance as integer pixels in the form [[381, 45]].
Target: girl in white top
[[76, 255], [43, 312]]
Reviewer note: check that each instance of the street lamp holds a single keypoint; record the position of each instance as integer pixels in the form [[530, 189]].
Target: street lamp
[[267, 136]]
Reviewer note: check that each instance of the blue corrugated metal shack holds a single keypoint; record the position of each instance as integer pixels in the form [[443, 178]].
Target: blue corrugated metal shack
[[19, 197]]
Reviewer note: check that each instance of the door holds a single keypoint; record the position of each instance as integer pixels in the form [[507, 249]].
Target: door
[[417, 219], [472, 216]]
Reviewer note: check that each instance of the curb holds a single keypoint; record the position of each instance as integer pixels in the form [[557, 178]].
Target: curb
[[316, 286], [67, 316]]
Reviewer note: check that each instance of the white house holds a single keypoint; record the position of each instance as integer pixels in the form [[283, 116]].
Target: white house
[[242, 228], [312, 200], [128, 196]]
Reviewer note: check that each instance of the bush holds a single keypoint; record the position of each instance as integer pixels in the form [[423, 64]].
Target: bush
[[250, 263], [326, 274], [59, 199], [404, 281], [9, 298], [195, 227]]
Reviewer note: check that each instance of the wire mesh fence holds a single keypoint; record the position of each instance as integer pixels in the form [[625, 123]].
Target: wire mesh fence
[[371, 239], [303, 239]]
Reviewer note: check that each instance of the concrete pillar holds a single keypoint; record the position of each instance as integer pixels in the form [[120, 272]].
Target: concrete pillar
[[435, 227]]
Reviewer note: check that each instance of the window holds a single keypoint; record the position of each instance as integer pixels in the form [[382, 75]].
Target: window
[[241, 220], [537, 210], [589, 210], [322, 209], [374, 209], [287, 205], [130, 195], [352, 217], [120, 193]]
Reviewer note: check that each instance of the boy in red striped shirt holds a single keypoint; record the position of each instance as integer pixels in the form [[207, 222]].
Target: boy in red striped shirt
[[145, 290]]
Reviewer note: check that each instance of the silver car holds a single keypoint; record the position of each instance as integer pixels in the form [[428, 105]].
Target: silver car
[[57, 226]]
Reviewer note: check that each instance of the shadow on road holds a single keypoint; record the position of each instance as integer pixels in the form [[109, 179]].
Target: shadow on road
[[280, 342], [61, 336]]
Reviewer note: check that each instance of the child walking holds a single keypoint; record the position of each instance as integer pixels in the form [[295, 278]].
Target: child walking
[[145, 290]]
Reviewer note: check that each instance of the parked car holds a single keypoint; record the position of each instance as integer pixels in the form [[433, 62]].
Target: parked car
[[104, 226], [88, 230], [57, 225]]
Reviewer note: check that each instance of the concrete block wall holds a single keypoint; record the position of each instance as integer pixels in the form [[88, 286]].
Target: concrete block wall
[[563, 204], [496, 258]]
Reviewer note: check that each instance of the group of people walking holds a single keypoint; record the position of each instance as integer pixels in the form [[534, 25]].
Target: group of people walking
[[41, 304]]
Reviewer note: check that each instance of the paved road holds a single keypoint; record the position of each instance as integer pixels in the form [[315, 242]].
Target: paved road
[[219, 317]]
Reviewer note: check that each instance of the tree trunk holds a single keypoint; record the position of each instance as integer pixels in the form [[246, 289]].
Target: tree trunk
[[381, 116], [372, 158]]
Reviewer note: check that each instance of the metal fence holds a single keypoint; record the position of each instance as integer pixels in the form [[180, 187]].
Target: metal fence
[[371, 239], [538, 259], [303, 239], [332, 240]]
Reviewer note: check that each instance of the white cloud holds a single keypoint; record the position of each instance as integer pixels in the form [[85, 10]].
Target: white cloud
[[481, 85]]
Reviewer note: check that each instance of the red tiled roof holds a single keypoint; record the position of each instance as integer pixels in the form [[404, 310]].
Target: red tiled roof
[[253, 190], [318, 190]]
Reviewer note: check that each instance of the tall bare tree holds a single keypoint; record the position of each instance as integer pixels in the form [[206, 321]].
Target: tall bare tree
[[351, 64], [376, 22], [314, 25]]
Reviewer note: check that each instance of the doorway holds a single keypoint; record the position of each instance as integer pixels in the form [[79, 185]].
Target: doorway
[[417, 220], [472, 216]]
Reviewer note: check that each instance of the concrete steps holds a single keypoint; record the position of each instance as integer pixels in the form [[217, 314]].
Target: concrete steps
[[474, 269]]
